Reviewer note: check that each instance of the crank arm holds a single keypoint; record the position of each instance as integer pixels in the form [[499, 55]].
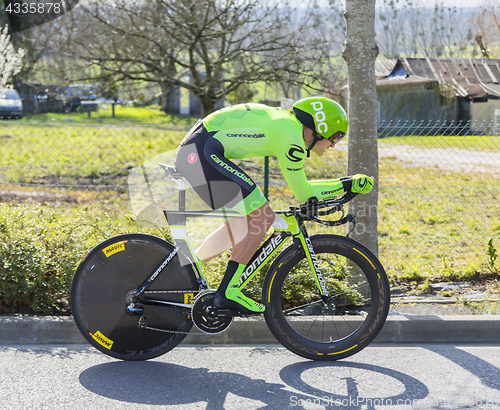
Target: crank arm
[[232, 313]]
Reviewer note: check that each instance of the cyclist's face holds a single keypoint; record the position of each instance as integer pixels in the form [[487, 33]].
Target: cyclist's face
[[321, 146], [324, 144]]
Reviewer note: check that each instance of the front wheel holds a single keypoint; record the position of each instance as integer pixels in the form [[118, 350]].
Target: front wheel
[[333, 329], [100, 289]]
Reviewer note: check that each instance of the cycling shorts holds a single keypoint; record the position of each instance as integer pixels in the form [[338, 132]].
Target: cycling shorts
[[217, 180]]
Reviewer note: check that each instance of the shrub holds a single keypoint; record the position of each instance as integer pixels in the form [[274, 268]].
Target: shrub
[[492, 254], [39, 252]]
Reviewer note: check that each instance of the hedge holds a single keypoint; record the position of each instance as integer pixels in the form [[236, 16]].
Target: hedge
[[40, 249]]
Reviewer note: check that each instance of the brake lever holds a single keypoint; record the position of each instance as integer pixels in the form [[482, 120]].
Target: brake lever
[[350, 218]]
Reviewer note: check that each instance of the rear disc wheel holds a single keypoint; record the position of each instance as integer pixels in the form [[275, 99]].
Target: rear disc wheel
[[102, 287]]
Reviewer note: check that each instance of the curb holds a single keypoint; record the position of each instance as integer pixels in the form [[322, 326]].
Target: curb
[[25, 329]]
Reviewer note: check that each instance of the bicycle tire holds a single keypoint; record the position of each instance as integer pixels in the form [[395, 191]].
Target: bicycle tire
[[98, 297], [311, 328]]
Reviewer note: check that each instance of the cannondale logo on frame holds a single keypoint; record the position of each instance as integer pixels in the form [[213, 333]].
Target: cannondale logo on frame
[[192, 158], [26, 14]]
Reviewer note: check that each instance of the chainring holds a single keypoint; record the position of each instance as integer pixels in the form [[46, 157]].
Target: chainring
[[205, 315]]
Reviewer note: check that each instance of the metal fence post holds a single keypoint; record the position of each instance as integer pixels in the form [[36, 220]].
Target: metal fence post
[[266, 177]]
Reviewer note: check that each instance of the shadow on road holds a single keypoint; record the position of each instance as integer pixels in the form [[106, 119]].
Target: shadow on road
[[488, 374], [156, 383], [356, 379]]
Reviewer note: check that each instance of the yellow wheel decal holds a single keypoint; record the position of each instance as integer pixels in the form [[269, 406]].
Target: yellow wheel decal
[[102, 340], [362, 254], [115, 248], [270, 287]]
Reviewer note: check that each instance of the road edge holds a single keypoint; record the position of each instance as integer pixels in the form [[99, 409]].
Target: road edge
[[405, 329]]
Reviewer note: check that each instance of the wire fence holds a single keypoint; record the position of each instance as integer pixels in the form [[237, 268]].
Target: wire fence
[[76, 162], [438, 183]]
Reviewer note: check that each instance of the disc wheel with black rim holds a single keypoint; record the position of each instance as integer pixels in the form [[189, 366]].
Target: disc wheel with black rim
[[101, 290], [326, 329]]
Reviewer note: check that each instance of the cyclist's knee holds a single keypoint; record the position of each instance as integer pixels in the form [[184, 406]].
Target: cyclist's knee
[[262, 217]]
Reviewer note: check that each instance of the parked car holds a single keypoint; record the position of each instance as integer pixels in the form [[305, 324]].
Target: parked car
[[73, 95], [46, 101], [11, 105]]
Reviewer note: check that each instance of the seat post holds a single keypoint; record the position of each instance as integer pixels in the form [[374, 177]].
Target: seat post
[[182, 195], [177, 178]]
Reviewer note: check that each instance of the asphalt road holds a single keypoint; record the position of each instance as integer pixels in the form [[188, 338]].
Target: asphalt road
[[448, 158], [456, 159], [249, 377]]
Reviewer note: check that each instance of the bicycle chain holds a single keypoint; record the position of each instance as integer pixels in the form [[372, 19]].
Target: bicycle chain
[[142, 320], [172, 291], [143, 325]]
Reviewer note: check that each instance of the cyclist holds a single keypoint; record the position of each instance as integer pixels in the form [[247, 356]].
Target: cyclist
[[255, 130]]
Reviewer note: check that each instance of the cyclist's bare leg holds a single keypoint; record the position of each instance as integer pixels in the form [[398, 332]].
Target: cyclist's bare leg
[[258, 223], [222, 239], [243, 234], [228, 295]]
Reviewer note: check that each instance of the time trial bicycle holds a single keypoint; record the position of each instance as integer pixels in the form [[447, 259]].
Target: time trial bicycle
[[136, 296]]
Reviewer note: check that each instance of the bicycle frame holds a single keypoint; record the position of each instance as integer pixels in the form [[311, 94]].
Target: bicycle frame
[[287, 224]]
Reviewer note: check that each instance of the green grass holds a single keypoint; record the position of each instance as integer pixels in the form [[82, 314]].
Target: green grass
[[89, 153], [433, 224], [124, 114], [431, 228]]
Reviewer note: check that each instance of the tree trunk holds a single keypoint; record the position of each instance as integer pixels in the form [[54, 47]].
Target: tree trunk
[[207, 106], [360, 52], [166, 89]]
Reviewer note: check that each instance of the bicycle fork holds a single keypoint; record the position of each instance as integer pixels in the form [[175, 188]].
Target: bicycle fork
[[290, 222], [314, 264]]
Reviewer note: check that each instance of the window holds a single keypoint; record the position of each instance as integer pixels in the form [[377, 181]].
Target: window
[[9, 95]]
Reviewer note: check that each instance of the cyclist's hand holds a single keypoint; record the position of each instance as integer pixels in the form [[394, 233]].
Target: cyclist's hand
[[359, 183]]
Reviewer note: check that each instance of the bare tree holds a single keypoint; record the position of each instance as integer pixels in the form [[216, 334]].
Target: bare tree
[[486, 24], [404, 27], [209, 47], [393, 26], [360, 52]]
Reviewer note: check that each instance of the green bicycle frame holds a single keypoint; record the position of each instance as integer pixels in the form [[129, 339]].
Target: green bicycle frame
[[286, 225]]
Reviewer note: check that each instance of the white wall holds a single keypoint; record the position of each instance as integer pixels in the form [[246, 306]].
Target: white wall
[[483, 113]]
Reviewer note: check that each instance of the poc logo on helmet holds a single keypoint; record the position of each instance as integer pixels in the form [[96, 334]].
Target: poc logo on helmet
[[319, 116]]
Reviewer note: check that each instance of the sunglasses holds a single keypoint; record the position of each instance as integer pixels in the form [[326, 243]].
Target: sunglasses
[[337, 137]]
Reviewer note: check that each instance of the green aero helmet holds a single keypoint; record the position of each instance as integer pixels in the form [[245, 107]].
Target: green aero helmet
[[323, 116]]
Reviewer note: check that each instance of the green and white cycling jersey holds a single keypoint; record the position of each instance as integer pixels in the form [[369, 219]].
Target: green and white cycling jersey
[[256, 130]]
